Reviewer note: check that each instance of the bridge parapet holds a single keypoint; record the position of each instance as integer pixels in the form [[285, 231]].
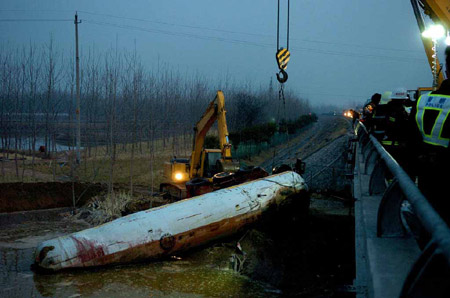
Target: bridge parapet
[[389, 262]]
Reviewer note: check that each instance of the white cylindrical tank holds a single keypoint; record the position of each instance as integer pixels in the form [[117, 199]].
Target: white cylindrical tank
[[170, 228]]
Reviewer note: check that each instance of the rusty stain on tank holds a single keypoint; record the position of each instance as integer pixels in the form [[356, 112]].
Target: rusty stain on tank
[[87, 249]]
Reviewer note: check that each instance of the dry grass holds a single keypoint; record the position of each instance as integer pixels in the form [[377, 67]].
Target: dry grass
[[114, 204], [96, 168], [105, 208]]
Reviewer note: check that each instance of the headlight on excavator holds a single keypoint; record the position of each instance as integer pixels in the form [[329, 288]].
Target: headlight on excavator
[[178, 176]]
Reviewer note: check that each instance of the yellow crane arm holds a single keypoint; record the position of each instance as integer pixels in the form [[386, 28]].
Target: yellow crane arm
[[427, 6], [215, 111], [439, 12]]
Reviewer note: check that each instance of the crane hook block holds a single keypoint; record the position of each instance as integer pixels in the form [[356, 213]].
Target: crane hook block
[[283, 56], [282, 76]]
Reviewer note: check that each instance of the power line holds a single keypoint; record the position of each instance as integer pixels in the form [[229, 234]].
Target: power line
[[36, 20], [358, 46], [36, 10], [332, 94], [204, 37], [173, 24], [218, 30], [354, 55], [258, 44], [221, 39], [246, 33]]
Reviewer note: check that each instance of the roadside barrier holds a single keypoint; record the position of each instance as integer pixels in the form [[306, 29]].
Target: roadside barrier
[[430, 274]]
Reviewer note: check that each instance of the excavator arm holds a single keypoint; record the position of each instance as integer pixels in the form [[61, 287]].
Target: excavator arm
[[439, 12], [215, 111], [225, 145]]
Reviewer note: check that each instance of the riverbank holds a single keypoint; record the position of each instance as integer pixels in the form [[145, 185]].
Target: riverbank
[[307, 256]]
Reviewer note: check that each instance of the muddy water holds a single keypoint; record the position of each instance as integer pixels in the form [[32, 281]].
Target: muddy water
[[192, 275]]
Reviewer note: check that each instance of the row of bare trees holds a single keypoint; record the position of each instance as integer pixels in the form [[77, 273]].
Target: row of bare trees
[[125, 105]]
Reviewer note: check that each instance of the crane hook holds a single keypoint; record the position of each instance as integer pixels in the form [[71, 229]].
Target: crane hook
[[282, 76]]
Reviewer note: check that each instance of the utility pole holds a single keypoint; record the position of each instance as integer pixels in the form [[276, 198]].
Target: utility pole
[[77, 111]]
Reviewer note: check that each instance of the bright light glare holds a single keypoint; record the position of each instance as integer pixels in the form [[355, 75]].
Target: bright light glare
[[434, 32], [447, 39], [178, 176]]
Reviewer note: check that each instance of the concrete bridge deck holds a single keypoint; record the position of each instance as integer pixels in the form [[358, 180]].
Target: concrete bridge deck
[[382, 264]]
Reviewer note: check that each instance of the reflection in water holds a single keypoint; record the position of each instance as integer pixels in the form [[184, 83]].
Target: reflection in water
[[192, 276], [27, 143], [16, 279]]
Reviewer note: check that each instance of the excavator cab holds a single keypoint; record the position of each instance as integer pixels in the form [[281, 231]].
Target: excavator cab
[[211, 162]]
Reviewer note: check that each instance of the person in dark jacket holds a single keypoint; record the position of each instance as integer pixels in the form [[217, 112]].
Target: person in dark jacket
[[355, 115], [379, 116], [369, 109], [430, 123], [395, 125]]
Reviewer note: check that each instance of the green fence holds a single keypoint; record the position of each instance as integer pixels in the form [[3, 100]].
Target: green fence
[[251, 148]]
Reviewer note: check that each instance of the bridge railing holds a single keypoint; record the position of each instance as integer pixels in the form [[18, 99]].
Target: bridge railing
[[430, 274]]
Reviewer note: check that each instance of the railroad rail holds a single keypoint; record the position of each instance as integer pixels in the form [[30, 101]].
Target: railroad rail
[[389, 262]]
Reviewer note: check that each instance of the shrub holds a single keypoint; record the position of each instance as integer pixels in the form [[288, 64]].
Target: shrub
[[264, 132]]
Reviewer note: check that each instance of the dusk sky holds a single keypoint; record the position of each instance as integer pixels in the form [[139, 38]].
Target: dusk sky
[[341, 51]]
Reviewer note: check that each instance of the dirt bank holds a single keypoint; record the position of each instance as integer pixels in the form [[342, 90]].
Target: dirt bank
[[34, 196]]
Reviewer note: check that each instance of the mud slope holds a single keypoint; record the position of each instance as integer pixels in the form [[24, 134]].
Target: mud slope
[[34, 196]]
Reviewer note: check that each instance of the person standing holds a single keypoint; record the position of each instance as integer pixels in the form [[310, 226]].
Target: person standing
[[379, 116], [369, 109], [431, 118], [395, 129], [355, 115]]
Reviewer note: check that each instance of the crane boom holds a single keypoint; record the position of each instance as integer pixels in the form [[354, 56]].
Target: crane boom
[[439, 12]]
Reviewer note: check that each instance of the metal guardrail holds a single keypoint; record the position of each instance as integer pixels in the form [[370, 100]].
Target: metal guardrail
[[430, 274]]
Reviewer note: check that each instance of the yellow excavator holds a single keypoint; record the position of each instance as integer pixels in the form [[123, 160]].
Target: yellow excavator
[[439, 13], [204, 164]]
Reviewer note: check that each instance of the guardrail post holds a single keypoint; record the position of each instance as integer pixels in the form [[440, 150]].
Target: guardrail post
[[377, 182], [370, 160], [430, 275], [364, 143], [389, 223], [369, 146]]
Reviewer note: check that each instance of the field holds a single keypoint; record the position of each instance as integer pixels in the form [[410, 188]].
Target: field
[[146, 165]]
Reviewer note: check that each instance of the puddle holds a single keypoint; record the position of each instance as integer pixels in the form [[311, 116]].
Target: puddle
[[192, 275], [308, 257], [186, 277]]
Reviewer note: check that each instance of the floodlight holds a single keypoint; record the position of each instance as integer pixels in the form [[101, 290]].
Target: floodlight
[[434, 32]]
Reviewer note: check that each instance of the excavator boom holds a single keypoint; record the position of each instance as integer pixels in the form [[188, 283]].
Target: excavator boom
[[215, 111]]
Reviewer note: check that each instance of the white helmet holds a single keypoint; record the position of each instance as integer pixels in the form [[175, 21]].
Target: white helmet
[[400, 93], [385, 98]]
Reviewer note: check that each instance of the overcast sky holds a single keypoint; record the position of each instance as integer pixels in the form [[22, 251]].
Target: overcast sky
[[342, 51]]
